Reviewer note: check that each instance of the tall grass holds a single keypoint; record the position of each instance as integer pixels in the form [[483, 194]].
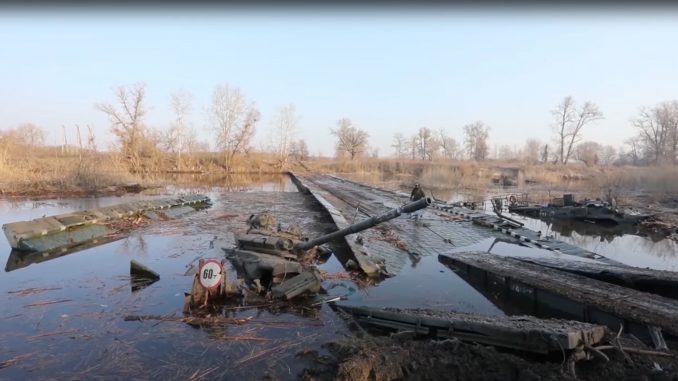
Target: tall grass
[[24, 169]]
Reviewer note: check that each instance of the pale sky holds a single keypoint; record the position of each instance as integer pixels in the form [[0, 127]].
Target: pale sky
[[388, 70]]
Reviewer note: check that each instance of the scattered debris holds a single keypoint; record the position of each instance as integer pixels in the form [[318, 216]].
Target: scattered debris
[[14, 360], [191, 320], [47, 302], [32, 291]]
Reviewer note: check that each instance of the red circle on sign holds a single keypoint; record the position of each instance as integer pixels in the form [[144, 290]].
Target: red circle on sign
[[210, 273]]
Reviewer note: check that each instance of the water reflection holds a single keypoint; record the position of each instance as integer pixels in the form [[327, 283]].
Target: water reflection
[[20, 259], [625, 244], [237, 182]]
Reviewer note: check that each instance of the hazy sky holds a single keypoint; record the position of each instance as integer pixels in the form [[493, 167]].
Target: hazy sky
[[388, 70]]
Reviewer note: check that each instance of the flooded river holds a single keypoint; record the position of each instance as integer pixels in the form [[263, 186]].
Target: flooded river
[[63, 317]]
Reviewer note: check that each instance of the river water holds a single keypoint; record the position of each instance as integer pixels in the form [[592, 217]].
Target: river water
[[63, 317]]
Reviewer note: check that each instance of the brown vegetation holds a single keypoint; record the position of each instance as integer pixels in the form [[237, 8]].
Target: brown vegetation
[[28, 170]]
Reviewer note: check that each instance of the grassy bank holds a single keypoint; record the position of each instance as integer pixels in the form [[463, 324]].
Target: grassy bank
[[45, 170], [595, 181]]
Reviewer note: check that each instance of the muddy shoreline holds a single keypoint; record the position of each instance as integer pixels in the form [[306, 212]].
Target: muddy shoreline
[[397, 358]]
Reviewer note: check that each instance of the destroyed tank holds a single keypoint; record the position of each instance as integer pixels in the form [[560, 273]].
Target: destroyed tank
[[283, 259]]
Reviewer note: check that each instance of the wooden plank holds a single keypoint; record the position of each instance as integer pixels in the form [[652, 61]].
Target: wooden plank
[[524, 333], [625, 303], [659, 282]]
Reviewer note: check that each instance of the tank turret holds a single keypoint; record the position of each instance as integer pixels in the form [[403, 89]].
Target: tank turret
[[364, 225], [282, 260]]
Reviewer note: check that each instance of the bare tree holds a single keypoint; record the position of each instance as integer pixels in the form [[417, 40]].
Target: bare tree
[[30, 135], [531, 151], [506, 152], [127, 120], [427, 145], [652, 133], [412, 147], [569, 122], [608, 155], [178, 138], [234, 119], [286, 126], [350, 139], [91, 141], [669, 116], [588, 152], [400, 145], [476, 135], [658, 131], [633, 153], [299, 150], [448, 145]]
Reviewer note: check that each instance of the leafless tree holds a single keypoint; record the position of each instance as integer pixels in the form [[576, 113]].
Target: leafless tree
[[400, 145], [30, 135], [448, 145], [506, 152], [531, 151], [178, 138], [234, 120], [91, 140], [608, 155], [653, 133], [299, 150], [427, 145], [633, 152], [588, 152], [658, 131], [569, 122], [350, 139], [286, 125], [412, 147], [127, 120], [476, 135]]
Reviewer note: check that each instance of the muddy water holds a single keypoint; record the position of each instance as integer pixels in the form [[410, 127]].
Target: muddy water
[[625, 244], [63, 318]]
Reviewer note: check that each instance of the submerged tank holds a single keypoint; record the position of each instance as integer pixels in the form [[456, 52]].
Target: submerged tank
[[282, 260]]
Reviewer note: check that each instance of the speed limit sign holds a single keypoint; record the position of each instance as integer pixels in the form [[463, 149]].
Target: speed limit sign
[[209, 273]]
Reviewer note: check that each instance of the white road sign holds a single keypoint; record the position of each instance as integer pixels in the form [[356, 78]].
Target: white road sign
[[209, 274]]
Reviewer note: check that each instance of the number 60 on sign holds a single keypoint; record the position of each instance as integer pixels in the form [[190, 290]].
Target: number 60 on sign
[[210, 273]]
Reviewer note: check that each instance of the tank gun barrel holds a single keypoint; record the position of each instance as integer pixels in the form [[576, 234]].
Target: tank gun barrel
[[365, 224]]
